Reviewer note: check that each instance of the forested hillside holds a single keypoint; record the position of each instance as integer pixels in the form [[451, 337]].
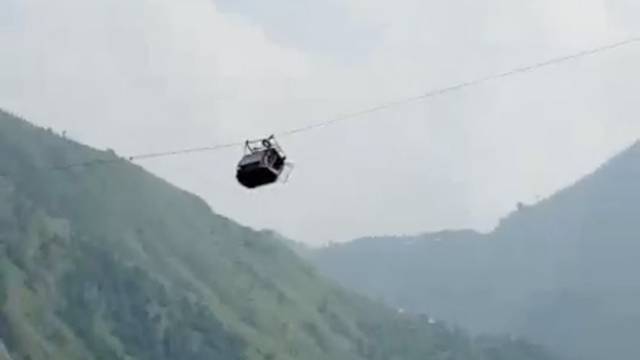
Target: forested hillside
[[562, 272]]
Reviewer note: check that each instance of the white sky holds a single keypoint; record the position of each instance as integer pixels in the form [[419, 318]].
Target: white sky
[[150, 75]]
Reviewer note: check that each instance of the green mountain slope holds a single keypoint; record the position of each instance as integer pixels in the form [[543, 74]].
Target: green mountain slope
[[562, 273], [106, 261]]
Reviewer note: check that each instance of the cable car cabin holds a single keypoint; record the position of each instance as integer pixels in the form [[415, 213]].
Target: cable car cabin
[[261, 165]]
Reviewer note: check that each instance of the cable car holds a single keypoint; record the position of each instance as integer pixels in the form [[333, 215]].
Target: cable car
[[262, 164]]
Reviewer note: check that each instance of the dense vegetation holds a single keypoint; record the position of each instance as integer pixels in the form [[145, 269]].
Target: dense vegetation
[[108, 262], [562, 273]]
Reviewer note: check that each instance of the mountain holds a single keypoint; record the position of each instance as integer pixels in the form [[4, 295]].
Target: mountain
[[563, 272], [104, 261]]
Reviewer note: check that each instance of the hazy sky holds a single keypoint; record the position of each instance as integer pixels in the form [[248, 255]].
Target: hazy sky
[[152, 75]]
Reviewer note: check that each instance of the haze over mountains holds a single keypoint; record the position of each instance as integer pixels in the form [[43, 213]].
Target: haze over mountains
[[563, 272], [105, 261]]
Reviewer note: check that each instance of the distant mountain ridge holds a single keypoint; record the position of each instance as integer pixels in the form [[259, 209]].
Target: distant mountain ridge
[[563, 272], [105, 261]]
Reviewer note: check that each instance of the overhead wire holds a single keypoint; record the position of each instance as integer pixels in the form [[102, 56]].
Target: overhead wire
[[185, 151], [146, 156], [463, 85], [386, 106]]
